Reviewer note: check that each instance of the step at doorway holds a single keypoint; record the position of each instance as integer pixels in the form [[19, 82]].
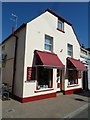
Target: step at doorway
[[59, 93]]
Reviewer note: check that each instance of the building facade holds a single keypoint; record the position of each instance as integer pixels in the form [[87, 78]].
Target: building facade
[[41, 58], [85, 58], [0, 65]]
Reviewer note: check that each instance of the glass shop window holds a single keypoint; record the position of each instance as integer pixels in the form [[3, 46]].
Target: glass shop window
[[72, 77]]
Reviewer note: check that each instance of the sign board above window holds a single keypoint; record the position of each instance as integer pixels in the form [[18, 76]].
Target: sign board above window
[[31, 73]]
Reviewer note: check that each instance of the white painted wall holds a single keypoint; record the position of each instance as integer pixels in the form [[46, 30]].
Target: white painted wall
[[35, 32], [7, 71], [86, 60], [18, 85], [71, 39]]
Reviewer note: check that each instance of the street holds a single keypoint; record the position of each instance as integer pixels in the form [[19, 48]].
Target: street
[[48, 108], [83, 114]]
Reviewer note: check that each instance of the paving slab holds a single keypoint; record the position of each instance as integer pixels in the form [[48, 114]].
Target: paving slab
[[57, 107]]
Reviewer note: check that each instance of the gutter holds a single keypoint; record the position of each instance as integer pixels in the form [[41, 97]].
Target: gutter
[[14, 67]]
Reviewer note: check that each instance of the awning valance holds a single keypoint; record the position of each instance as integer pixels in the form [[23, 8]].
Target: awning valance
[[75, 64], [49, 59]]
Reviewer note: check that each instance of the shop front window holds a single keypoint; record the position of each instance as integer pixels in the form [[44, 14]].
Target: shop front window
[[72, 77], [44, 78]]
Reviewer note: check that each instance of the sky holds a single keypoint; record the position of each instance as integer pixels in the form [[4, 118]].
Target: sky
[[74, 12]]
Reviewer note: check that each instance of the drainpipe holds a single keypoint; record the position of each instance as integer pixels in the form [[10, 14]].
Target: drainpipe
[[14, 67]]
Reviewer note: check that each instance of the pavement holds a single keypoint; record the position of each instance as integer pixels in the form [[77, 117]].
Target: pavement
[[82, 114], [0, 109], [62, 106]]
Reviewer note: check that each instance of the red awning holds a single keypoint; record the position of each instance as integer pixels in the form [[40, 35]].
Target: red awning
[[49, 59], [76, 64]]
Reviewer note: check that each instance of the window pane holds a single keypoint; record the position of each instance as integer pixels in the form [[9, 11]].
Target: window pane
[[3, 47], [48, 45], [69, 53], [47, 41], [72, 77], [69, 47], [60, 25], [70, 50]]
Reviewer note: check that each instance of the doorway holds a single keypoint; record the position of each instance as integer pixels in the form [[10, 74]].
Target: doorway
[[85, 80], [59, 80]]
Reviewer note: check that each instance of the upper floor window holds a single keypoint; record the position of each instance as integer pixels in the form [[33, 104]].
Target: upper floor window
[[70, 50], [3, 47], [48, 44], [60, 25]]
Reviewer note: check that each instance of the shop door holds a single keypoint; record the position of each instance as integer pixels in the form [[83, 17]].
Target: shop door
[[59, 77], [85, 80]]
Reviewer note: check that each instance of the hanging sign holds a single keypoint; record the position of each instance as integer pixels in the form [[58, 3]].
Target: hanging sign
[[29, 71]]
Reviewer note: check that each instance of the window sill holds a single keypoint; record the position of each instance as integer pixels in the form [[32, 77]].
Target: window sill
[[73, 85], [48, 51], [60, 30], [43, 90]]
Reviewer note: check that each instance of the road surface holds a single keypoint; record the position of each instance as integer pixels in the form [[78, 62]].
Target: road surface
[[83, 114]]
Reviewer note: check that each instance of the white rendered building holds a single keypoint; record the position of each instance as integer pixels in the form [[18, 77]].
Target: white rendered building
[[41, 58], [85, 58]]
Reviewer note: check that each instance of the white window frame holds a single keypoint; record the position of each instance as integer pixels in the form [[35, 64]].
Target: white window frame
[[73, 81], [68, 50], [62, 25], [48, 44]]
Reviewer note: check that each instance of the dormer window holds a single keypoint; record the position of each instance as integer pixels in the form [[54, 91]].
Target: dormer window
[[60, 25]]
